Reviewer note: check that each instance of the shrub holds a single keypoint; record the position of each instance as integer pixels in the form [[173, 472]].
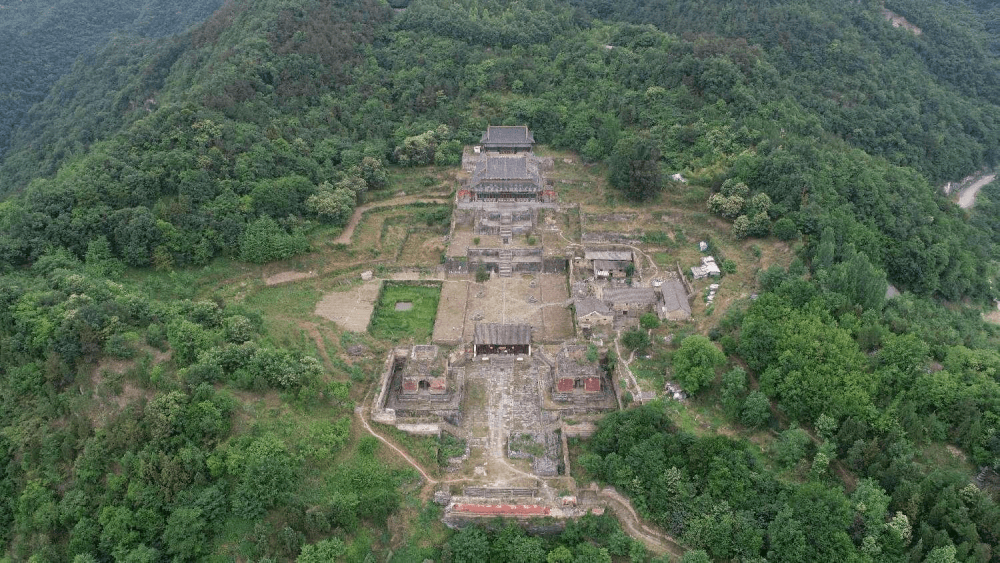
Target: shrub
[[649, 321], [482, 274], [636, 340], [122, 345], [785, 229]]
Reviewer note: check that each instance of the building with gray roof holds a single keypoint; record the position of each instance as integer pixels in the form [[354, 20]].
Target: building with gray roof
[[495, 338], [507, 139], [675, 305]]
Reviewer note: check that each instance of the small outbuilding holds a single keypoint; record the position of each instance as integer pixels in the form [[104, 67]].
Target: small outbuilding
[[675, 305], [707, 268], [610, 263], [591, 312]]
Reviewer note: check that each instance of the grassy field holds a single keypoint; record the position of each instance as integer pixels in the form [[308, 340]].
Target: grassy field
[[416, 323]]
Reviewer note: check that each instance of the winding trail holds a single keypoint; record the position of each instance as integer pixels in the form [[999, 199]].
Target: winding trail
[[967, 197], [346, 236], [654, 540], [364, 422]]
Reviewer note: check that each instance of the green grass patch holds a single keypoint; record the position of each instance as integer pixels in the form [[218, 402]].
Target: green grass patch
[[424, 449], [415, 322], [448, 447]]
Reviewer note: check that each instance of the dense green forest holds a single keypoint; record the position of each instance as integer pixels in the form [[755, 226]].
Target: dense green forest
[[263, 127], [39, 41]]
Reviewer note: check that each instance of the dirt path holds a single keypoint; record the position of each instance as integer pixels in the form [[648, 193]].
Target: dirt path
[[359, 410], [628, 371], [345, 237], [654, 540], [967, 197]]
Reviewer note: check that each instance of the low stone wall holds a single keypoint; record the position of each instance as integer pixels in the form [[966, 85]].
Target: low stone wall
[[422, 429]]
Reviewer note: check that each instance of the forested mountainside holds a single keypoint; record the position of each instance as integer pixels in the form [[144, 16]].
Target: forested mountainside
[[791, 126], [40, 40], [144, 423]]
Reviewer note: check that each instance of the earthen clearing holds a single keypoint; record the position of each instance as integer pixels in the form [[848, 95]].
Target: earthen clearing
[[351, 309]]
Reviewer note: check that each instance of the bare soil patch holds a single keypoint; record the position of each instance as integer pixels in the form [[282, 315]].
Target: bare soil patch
[[421, 249], [992, 317], [350, 309], [554, 288], [899, 21], [450, 322], [289, 276], [967, 197], [111, 390], [558, 322], [463, 239]]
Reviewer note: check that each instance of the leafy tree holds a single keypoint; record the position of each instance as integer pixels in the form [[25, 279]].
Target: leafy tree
[[786, 538], [184, 535], [857, 279], [561, 554], [756, 410], [634, 168], [785, 229], [264, 241], [733, 188], [791, 447], [511, 544], [696, 556], [187, 340], [734, 388], [470, 545], [333, 206], [264, 471], [695, 362], [332, 549], [373, 172]]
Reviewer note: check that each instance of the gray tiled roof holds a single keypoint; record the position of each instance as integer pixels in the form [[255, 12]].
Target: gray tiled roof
[[507, 135], [502, 335], [675, 296], [641, 295], [504, 168], [589, 305], [617, 255]]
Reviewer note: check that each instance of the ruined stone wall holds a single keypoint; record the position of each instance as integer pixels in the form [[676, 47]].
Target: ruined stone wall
[[554, 265], [457, 265], [379, 411]]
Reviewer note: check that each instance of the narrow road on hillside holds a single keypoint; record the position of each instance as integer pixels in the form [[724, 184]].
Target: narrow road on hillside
[[345, 237], [654, 540], [967, 197]]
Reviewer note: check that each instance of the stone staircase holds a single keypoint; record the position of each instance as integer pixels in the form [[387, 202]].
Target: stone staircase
[[506, 257], [506, 220]]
